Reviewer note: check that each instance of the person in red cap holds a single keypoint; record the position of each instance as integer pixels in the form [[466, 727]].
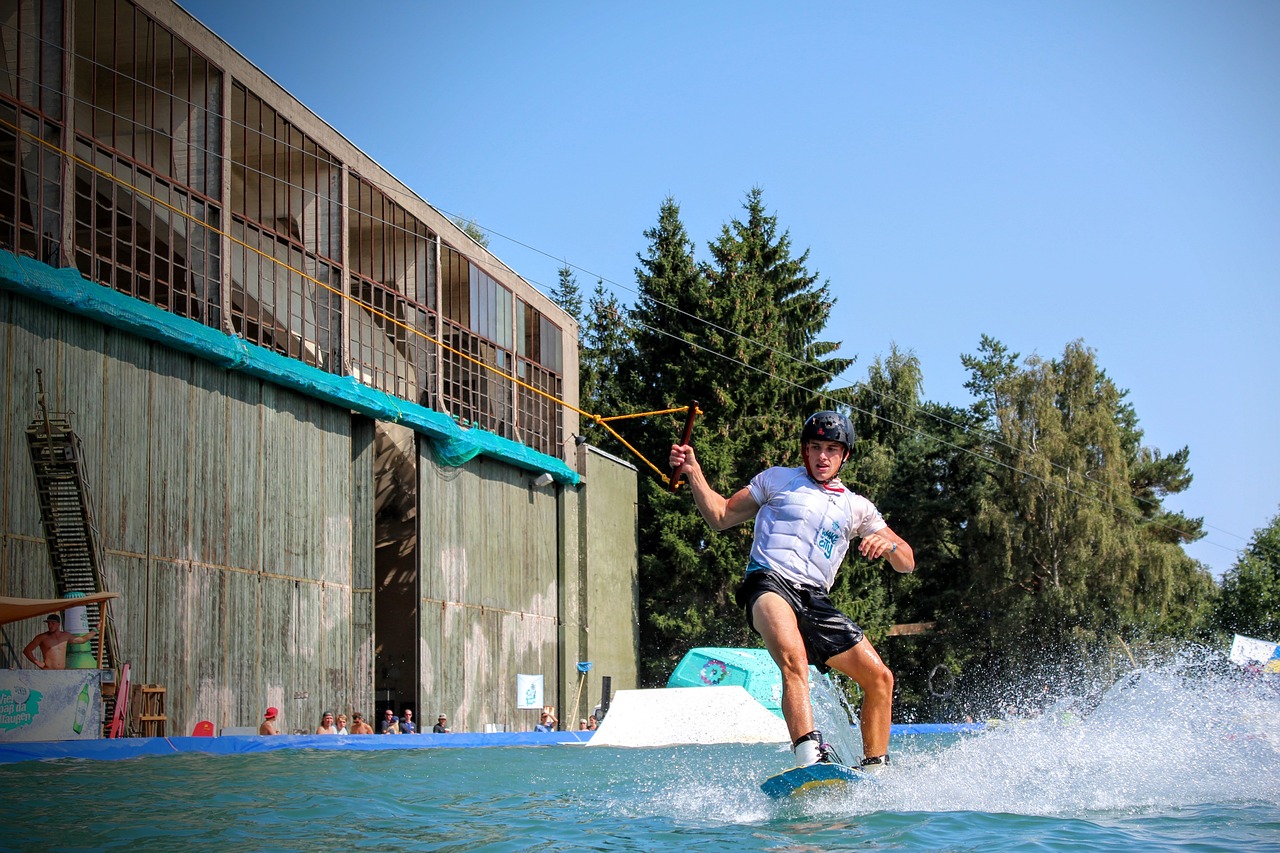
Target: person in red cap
[[268, 726]]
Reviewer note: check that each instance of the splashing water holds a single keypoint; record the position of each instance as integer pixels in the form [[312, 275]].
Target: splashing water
[[833, 717], [1174, 735]]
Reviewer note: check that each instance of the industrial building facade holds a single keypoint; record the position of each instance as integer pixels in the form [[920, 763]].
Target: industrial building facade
[[277, 538]]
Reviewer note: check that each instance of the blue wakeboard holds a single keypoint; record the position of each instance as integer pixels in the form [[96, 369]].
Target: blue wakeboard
[[801, 780]]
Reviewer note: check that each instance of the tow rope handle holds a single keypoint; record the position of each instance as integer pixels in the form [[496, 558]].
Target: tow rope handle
[[688, 433]]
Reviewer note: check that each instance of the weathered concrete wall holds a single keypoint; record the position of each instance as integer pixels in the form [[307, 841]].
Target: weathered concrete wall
[[489, 582], [238, 516], [237, 520], [225, 511], [610, 596], [521, 578]]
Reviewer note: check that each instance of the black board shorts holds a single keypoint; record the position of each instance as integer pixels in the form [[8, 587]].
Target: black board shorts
[[826, 631]]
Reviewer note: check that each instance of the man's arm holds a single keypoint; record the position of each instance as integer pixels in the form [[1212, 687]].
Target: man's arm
[[885, 543], [719, 512], [31, 647]]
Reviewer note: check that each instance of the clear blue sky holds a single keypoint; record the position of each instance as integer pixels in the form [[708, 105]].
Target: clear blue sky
[[1039, 172]]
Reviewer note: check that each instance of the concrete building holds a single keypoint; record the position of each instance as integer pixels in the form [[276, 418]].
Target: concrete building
[[315, 415]]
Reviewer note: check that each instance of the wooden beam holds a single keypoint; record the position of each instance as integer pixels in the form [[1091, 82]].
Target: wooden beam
[[910, 629]]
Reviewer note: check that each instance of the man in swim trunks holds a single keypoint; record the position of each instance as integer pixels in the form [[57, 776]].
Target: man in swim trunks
[[805, 520], [53, 644]]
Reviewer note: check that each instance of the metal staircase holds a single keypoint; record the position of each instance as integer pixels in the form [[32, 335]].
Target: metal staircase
[[75, 550]]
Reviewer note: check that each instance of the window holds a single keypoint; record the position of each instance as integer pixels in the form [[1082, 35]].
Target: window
[[147, 96], [281, 180], [148, 119]]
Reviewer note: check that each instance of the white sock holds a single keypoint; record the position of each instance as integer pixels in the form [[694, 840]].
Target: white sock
[[806, 753]]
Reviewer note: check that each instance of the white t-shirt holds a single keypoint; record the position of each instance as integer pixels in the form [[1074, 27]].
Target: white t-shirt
[[803, 530]]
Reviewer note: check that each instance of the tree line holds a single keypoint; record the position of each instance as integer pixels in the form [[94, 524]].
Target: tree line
[[1036, 511]]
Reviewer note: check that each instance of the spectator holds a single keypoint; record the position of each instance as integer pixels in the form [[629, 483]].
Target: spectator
[[407, 726], [582, 724], [548, 721], [591, 723], [390, 724], [268, 726], [342, 724], [442, 726], [326, 726], [52, 644], [358, 725]]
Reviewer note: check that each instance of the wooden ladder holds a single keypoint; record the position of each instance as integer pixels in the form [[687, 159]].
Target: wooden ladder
[[151, 716]]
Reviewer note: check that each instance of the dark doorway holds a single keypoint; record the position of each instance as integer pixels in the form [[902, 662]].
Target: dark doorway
[[395, 568]]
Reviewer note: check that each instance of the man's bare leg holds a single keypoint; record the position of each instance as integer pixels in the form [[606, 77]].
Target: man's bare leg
[[862, 663], [774, 619]]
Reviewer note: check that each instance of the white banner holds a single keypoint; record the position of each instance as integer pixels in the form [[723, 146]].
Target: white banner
[[50, 704], [1247, 650], [529, 692]]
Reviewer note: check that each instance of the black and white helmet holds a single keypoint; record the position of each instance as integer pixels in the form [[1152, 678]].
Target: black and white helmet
[[828, 426]]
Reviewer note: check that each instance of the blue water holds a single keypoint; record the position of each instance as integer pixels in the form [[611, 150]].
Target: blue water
[[1164, 763]]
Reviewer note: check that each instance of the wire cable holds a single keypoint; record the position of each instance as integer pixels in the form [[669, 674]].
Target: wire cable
[[481, 262]]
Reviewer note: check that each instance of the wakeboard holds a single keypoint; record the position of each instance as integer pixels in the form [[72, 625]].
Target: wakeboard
[[802, 780]]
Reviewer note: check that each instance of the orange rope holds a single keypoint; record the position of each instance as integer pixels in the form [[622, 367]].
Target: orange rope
[[371, 309], [597, 419], [646, 414]]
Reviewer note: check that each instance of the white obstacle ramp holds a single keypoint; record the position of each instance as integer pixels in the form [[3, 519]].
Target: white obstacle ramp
[[676, 715]]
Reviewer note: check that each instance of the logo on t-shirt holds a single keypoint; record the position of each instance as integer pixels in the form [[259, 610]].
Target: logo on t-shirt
[[827, 538]]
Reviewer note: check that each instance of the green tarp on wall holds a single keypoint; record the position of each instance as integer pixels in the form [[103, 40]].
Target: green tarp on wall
[[452, 445]]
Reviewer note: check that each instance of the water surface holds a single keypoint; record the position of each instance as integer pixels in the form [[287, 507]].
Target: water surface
[[1165, 762]]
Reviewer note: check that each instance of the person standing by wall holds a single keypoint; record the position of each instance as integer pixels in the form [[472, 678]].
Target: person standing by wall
[[52, 644], [407, 725], [548, 721], [389, 724]]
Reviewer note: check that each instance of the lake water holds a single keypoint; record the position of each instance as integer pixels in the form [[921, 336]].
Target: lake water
[[1169, 761]]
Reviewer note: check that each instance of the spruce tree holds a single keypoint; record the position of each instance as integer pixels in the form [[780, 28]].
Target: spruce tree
[[568, 296], [739, 335], [914, 460], [606, 346]]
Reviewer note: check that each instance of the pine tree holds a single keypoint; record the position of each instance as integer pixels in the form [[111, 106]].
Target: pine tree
[[914, 460], [568, 296], [740, 336], [606, 345]]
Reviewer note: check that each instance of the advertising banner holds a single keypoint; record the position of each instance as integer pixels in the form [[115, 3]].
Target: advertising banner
[[1251, 652], [50, 704]]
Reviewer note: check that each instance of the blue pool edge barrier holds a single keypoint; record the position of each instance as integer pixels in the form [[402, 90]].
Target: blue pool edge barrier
[[117, 749]]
